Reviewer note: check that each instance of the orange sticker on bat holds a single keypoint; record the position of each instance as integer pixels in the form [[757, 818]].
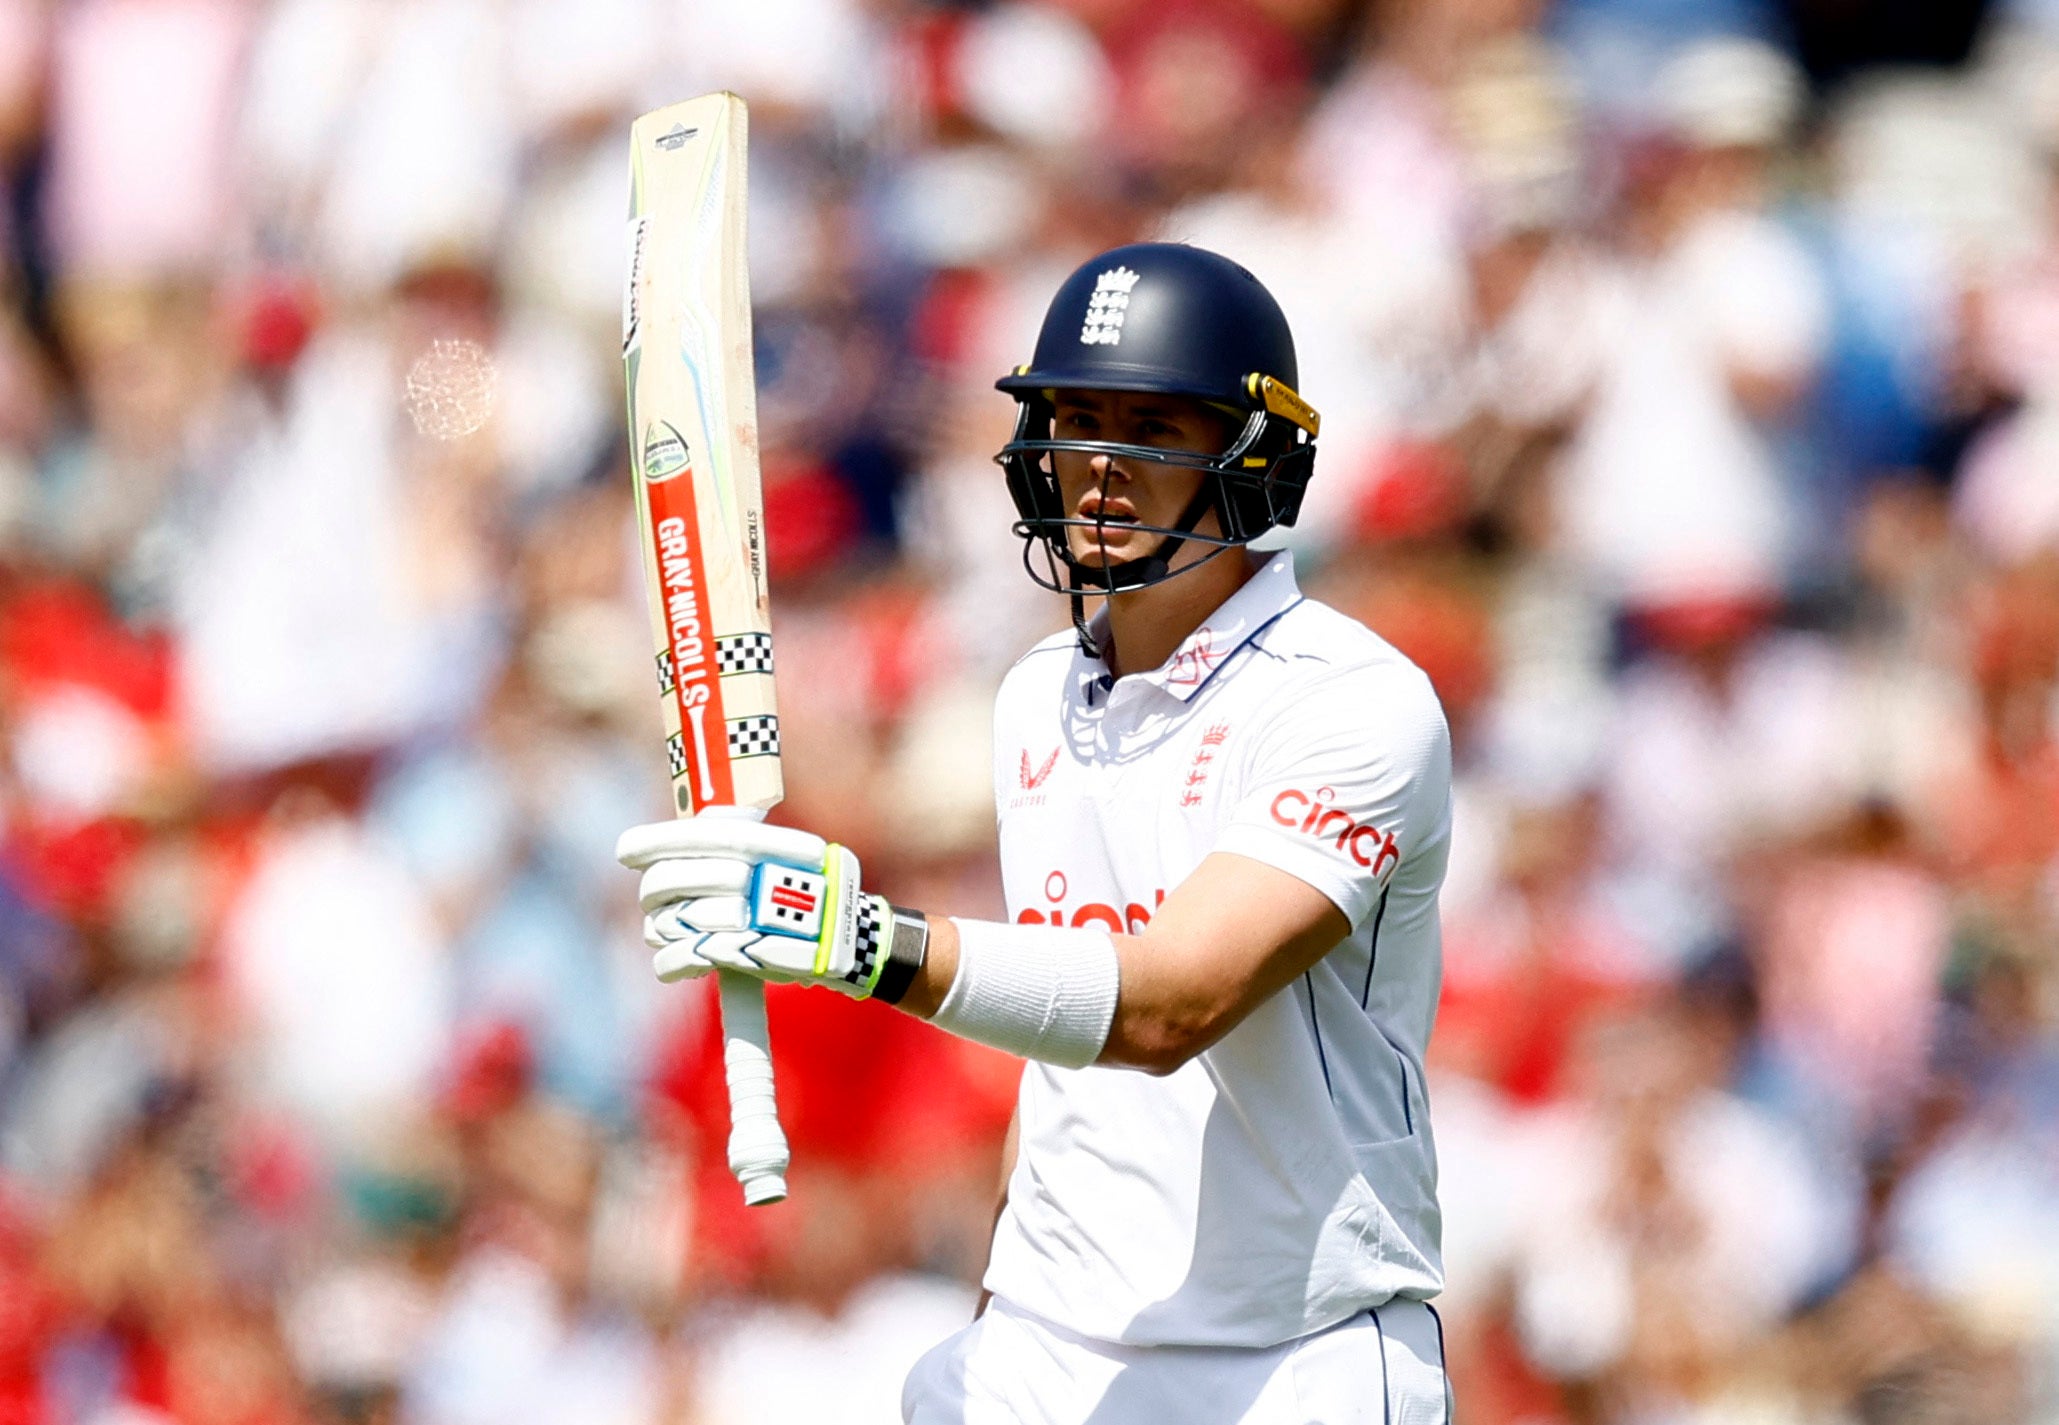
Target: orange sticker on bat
[[690, 633]]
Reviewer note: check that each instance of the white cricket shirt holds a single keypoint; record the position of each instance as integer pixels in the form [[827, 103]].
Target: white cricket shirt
[[1284, 1179]]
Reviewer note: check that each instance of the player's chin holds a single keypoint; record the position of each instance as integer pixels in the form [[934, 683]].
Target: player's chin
[[1109, 545]]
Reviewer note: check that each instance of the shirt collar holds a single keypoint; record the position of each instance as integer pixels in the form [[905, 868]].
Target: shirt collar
[[1269, 592]]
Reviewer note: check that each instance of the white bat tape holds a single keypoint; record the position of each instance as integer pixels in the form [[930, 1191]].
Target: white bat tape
[[757, 1147]]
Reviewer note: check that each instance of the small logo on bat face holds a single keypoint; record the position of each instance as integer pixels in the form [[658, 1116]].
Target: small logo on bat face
[[754, 541], [664, 451], [632, 300], [675, 137]]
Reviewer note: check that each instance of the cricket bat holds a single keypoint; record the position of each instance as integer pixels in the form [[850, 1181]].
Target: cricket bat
[[693, 454]]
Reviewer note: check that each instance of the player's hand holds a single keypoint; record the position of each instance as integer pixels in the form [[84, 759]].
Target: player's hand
[[769, 901]]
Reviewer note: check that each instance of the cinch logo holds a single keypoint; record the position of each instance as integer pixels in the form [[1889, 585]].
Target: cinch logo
[[1130, 920], [1368, 845]]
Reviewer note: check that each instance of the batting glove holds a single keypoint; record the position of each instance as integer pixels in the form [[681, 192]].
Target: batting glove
[[771, 902]]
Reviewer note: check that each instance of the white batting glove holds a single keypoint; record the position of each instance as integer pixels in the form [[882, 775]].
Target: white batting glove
[[769, 901]]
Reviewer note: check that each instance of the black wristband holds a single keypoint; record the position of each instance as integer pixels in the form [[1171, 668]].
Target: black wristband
[[907, 948]]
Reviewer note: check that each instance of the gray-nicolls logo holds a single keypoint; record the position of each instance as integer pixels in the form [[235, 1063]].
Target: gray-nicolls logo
[[1108, 307]]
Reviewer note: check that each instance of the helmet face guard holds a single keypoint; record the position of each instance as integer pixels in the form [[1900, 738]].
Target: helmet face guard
[[1255, 485], [1161, 319]]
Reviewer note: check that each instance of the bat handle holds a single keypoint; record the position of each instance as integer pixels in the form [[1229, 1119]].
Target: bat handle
[[757, 1144]]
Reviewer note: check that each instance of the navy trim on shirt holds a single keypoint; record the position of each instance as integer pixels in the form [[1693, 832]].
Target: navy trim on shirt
[[1373, 951], [1442, 1368], [1386, 1383], [1250, 641], [1046, 647], [1316, 1028]]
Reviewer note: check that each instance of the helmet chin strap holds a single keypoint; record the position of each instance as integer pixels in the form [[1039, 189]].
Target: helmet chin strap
[[1153, 568]]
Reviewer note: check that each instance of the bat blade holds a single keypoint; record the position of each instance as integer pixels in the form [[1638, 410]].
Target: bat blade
[[693, 451], [693, 430]]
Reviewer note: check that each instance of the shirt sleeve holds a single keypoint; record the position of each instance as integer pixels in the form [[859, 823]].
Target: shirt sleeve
[[1346, 781]]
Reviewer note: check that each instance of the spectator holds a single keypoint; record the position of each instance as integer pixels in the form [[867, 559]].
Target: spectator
[[1686, 416]]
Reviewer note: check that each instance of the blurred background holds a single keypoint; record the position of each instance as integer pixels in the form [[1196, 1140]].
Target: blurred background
[[1690, 373]]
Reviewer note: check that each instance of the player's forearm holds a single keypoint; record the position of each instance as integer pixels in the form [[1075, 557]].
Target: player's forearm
[[1181, 995], [1042, 992], [1166, 1012], [779, 903], [939, 967], [1221, 945], [1171, 1003], [1148, 1035]]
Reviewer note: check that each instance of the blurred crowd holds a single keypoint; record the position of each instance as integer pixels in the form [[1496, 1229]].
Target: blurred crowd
[[1690, 374]]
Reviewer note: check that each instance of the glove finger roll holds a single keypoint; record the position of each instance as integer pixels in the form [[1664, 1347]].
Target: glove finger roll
[[687, 877], [784, 955], [690, 920], [675, 960], [708, 913], [730, 950], [728, 836]]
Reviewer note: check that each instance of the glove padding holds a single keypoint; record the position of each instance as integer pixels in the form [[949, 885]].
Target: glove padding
[[772, 902]]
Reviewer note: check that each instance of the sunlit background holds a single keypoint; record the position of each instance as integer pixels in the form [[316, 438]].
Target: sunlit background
[[1690, 373]]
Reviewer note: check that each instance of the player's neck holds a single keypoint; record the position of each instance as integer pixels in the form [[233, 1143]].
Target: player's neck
[[1147, 626]]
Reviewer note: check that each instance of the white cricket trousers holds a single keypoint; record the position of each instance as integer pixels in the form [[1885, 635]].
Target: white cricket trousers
[[1384, 1366]]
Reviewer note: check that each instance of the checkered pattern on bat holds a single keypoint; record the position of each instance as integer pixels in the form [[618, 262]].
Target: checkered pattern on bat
[[866, 949], [665, 679], [675, 754], [754, 736], [743, 653]]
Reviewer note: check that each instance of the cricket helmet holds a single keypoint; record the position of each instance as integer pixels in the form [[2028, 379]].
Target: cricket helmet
[[1168, 319]]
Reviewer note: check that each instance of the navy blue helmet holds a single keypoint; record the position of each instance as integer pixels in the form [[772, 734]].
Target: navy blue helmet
[[1167, 319]]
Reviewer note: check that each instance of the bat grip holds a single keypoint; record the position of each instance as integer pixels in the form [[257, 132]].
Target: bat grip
[[757, 1145]]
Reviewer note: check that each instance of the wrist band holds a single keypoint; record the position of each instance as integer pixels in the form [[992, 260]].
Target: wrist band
[[907, 947], [1045, 992]]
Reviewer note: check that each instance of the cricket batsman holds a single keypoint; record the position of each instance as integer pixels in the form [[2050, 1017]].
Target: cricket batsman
[[1224, 816]]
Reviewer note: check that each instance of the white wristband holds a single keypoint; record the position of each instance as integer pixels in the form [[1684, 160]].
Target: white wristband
[[1042, 991]]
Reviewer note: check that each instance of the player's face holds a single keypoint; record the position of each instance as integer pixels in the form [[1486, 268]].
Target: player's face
[[1120, 492]]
